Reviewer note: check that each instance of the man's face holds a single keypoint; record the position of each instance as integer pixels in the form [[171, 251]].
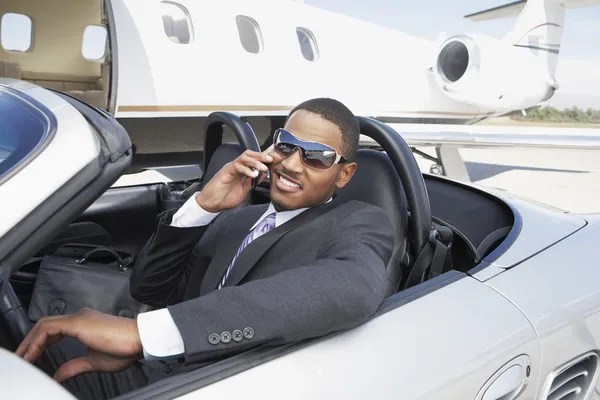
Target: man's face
[[315, 186]]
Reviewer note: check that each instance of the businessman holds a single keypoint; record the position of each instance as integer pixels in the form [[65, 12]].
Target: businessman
[[225, 279]]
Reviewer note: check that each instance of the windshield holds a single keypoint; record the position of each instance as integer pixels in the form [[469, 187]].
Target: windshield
[[20, 134]]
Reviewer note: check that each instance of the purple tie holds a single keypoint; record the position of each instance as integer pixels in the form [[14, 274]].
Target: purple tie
[[265, 226]]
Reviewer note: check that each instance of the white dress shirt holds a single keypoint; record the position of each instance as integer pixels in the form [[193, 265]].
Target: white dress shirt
[[158, 333]]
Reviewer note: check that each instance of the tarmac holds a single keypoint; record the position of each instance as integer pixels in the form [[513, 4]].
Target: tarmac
[[565, 179]]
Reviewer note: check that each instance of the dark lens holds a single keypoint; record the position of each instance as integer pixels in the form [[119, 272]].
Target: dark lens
[[284, 149], [319, 159]]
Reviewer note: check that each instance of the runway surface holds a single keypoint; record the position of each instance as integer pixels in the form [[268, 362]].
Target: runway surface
[[566, 179]]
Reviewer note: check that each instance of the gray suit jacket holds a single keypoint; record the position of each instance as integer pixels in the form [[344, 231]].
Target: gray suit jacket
[[322, 271]]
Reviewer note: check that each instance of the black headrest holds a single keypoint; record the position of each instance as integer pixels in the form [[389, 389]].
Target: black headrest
[[376, 182], [225, 153]]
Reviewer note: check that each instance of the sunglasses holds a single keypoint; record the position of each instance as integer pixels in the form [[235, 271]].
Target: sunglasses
[[313, 154]]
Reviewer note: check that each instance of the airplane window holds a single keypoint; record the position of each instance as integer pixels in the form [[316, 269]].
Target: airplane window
[[16, 33], [250, 34], [93, 46], [177, 22], [308, 44]]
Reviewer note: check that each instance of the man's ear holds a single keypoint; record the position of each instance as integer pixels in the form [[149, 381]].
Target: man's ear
[[346, 174]]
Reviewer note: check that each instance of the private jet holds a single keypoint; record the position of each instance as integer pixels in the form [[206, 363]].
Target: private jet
[[161, 67]]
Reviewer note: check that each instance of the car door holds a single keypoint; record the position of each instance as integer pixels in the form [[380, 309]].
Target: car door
[[125, 215], [70, 154], [57, 156], [451, 337], [122, 218]]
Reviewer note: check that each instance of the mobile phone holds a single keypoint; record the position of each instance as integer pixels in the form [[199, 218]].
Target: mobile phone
[[256, 180]]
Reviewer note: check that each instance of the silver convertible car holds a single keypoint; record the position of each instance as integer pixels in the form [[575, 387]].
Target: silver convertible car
[[498, 298]]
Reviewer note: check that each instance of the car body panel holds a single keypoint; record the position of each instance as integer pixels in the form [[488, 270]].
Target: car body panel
[[559, 291], [127, 215], [443, 345], [536, 227], [72, 148], [20, 379], [539, 228]]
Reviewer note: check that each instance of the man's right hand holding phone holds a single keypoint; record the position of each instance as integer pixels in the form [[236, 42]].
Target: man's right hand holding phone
[[230, 186]]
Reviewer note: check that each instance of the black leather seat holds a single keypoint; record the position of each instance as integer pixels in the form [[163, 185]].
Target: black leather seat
[[376, 182], [225, 153]]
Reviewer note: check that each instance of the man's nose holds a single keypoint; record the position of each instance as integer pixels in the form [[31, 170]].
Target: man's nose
[[293, 162]]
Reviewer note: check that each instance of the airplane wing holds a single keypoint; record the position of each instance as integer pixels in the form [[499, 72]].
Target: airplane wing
[[448, 140], [513, 9]]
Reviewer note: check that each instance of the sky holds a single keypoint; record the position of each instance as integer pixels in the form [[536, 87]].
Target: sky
[[578, 71]]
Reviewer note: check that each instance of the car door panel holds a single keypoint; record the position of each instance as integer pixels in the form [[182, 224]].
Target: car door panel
[[128, 214], [459, 341], [122, 218], [84, 232]]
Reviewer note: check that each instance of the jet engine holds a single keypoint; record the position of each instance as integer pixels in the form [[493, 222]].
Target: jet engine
[[492, 74]]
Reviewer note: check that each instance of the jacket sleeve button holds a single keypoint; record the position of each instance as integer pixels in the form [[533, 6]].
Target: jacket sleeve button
[[237, 335], [214, 338], [225, 337], [248, 333]]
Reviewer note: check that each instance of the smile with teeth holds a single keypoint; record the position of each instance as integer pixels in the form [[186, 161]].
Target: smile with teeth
[[287, 183]]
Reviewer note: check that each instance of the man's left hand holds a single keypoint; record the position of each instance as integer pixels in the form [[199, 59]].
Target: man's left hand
[[113, 342]]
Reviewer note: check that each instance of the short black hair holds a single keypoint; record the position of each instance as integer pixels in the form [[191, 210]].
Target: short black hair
[[337, 113]]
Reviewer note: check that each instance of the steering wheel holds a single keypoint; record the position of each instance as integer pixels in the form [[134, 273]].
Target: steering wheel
[[13, 317], [419, 223]]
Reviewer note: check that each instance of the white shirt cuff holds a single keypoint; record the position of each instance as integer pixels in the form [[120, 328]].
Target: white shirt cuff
[[191, 214], [159, 335]]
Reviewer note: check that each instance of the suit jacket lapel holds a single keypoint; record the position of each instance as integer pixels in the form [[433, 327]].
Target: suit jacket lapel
[[232, 239], [255, 250]]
